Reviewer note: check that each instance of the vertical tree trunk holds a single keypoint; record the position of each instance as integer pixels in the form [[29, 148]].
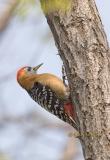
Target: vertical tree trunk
[[83, 47]]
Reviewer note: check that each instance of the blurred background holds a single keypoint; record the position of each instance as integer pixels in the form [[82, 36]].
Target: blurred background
[[27, 132]]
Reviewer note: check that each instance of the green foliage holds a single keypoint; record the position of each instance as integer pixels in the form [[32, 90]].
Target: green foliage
[[54, 5], [48, 6], [24, 6]]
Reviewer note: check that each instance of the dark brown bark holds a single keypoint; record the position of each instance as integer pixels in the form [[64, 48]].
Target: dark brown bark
[[83, 47]]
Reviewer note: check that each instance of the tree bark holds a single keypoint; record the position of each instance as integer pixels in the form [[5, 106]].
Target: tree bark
[[83, 47]]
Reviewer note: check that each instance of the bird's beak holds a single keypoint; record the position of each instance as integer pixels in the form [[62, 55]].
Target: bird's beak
[[37, 67]]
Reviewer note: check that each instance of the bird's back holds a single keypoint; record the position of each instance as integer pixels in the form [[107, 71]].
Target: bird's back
[[53, 82], [46, 79], [48, 100]]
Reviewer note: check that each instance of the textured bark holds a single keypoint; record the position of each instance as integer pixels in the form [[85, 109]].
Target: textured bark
[[83, 47]]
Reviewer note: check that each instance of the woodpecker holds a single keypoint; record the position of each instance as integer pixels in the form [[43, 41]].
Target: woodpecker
[[49, 92]]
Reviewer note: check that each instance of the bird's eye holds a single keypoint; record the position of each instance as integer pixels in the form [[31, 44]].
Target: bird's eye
[[29, 69]]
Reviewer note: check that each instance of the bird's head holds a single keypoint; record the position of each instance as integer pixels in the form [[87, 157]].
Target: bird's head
[[27, 71]]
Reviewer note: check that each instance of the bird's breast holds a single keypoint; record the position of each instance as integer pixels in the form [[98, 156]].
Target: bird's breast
[[46, 98]]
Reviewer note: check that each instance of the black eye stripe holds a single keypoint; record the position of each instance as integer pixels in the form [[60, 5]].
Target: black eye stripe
[[29, 69]]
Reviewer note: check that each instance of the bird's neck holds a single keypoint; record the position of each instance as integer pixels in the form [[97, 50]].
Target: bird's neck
[[27, 81]]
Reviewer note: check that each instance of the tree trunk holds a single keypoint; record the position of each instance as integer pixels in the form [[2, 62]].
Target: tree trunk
[[83, 47]]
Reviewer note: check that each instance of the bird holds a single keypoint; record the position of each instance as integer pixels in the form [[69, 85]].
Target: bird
[[49, 92]]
